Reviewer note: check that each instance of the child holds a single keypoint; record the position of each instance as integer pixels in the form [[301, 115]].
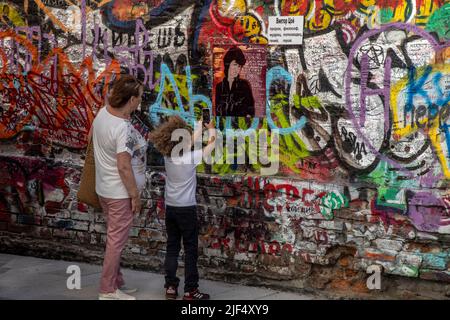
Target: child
[[181, 210]]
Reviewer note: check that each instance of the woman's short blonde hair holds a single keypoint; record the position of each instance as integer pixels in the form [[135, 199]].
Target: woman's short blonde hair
[[161, 136]]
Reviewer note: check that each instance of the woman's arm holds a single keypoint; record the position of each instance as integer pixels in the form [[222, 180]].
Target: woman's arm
[[127, 176]]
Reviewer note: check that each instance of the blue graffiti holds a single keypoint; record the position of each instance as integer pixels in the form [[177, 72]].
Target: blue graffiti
[[280, 73], [416, 87], [156, 109]]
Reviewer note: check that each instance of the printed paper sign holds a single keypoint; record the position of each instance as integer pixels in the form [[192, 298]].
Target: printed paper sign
[[284, 30]]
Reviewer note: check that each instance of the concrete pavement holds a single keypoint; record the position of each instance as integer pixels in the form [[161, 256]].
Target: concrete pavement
[[29, 278]]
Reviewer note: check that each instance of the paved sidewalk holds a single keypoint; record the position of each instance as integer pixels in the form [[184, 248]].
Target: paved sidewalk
[[33, 278]]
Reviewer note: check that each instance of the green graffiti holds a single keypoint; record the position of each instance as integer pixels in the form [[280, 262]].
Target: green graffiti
[[390, 189], [439, 22], [407, 271], [170, 100], [332, 201], [292, 148], [311, 102]]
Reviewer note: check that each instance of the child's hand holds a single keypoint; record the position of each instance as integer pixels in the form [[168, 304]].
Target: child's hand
[[210, 125]]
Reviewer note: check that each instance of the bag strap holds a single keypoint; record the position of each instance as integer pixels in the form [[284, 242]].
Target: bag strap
[[90, 159]]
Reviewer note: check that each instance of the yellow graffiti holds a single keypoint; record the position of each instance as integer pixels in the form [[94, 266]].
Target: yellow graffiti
[[425, 11], [169, 91], [235, 15], [9, 14], [231, 8], [430, 126], [321, 14], [247, 25]]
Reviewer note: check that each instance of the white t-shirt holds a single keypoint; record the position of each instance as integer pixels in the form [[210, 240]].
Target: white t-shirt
[[113, 135], [181, 179]]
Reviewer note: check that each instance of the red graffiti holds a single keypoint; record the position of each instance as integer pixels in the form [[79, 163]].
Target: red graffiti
[[26, 182], [51, 95], [262, 247]]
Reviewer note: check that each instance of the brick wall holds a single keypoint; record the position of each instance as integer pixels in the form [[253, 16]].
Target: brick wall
[[249, 232]]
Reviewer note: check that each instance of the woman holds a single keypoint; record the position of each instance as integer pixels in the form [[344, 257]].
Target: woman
[[120, 161], [234, 95]]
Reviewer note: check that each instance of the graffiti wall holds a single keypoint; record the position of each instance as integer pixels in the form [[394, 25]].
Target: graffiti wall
[[361, 108]]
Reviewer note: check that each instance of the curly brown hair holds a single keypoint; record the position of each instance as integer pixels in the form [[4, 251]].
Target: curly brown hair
[[161, 136]]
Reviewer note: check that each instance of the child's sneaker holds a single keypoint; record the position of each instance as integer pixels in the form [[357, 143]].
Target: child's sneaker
[[195, 295], [171, 293]]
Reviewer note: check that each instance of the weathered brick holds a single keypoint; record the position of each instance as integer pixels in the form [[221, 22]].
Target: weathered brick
[[370, 235], [332, 225], [43, 233], [409, 259], [242, 256], [62, 214], [57, 223], [28, 219], [349, 214], [5, 217], [438, 261], [25, 229], [308, 223], [375, 254], [80, 225], [134, 232], [98, 228], [139, 221], [100, 218], [372, 218], [95, 239], [209, 252], [403, 231], [363, 264], [435, 275], [422, 247], [156, 235], [134, 249], [426, 236], [63, 233], [138, 241], [406, 271], [393, 245], [246, 268], [83, 237], [314, 258], [357, 229], [358, 241], [82, 216]]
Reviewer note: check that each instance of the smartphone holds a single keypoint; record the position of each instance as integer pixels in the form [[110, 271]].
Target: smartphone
[[206, 116]]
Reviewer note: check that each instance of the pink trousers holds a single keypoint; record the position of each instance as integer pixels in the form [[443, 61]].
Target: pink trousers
[[119, 219]]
